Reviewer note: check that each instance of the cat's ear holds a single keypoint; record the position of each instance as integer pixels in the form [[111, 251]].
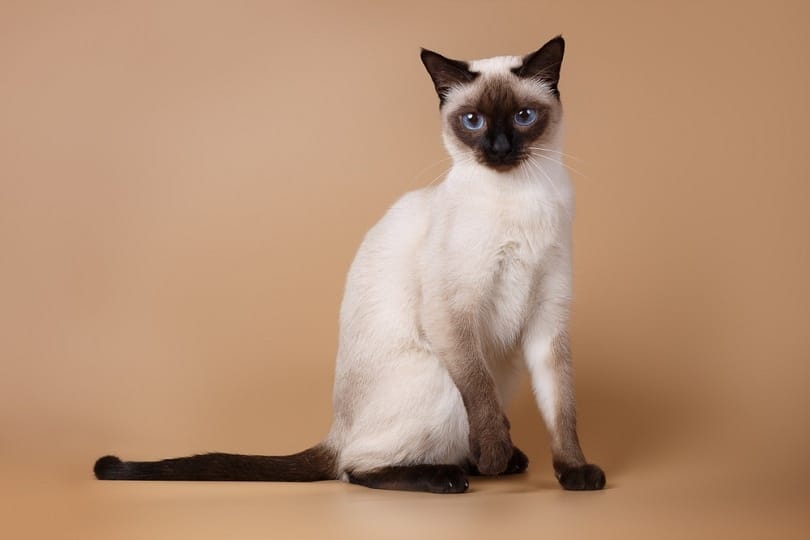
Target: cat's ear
[[544, 64], [446, 73]]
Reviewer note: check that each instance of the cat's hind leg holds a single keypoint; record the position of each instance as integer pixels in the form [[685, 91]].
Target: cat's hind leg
[[430, 478]]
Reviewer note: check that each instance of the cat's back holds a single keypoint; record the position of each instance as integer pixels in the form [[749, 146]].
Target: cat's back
[[405, 221], [399, 231], [383, 268]]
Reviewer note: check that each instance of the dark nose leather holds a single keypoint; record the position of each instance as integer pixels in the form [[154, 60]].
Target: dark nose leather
[[501, 147]]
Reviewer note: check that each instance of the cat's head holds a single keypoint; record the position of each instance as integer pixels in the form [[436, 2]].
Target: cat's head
[[499, 111]]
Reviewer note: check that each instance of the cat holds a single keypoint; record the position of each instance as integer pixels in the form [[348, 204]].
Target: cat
[[451, 292]]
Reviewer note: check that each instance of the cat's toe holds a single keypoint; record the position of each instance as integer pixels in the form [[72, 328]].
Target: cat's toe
[[449, 480], [584, 478]]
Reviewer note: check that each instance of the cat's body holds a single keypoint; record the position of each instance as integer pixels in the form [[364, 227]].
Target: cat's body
[[451, 295], [467, 242]]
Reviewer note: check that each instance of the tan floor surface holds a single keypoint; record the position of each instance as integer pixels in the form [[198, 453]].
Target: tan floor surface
[[655, 501]]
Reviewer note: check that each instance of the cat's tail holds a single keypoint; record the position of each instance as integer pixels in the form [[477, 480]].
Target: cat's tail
[[316, 463]]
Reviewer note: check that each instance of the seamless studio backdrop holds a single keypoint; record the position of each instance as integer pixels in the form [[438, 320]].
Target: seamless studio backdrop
[[184, 184]]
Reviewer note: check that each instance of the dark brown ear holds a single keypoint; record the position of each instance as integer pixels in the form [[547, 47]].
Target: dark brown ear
[[544, 64], [446, 73]]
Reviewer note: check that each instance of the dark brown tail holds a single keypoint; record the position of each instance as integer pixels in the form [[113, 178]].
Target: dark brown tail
[[316, 463]]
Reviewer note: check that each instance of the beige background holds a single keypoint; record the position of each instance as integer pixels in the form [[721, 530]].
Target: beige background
[[183, 186]]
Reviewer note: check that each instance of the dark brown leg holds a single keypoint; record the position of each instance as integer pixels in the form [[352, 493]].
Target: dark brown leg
[[550, 366], [456, 341], [570, 467], [431, 478]]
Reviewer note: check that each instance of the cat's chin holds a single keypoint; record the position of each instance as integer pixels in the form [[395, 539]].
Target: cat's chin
[[503, 164], [502, 167]]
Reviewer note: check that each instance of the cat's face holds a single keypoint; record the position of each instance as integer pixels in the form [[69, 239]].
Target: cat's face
[[499, 111]]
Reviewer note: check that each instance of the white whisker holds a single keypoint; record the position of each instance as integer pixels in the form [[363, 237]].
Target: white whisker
[[441, 174], [567, 166], [551, 184], [464, 158], [570, 156], [416, 177]]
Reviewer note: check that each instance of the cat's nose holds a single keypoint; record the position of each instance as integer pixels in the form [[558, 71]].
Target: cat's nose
[[501, 146]]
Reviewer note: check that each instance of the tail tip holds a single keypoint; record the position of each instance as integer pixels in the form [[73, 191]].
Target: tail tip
[[106, 467]]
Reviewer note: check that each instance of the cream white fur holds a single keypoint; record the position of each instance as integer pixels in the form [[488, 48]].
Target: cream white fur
[[494, 243]]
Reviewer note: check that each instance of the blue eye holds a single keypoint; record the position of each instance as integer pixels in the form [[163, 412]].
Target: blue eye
[[472, 121], [525, 117]]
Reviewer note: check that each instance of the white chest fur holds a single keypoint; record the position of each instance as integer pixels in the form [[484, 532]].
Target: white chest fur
[[492, 236]]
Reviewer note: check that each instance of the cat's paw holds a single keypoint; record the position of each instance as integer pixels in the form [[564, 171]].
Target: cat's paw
[[583, 478], [518, 463], [491, 451]]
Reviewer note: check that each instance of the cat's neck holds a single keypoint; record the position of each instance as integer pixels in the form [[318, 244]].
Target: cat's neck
[[536, 180]]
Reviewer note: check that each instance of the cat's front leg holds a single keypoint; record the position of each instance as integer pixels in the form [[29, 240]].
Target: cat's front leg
[[454, 341], [548, 357], [490, 443]]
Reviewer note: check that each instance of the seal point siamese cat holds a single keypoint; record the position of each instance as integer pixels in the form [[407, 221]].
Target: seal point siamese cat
[[456, 288]]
